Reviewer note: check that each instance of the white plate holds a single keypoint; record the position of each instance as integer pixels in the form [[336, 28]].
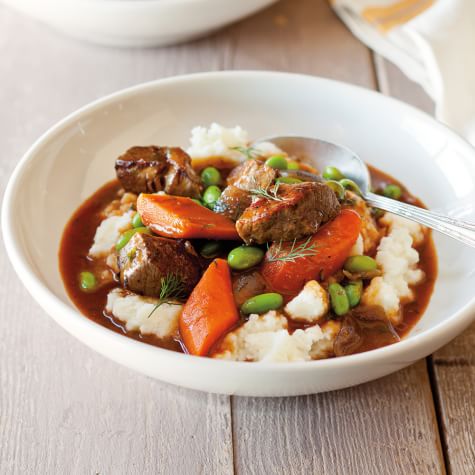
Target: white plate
[[76, 156], [138, 22]]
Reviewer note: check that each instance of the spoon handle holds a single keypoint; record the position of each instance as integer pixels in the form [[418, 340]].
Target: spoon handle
[[455, 228]]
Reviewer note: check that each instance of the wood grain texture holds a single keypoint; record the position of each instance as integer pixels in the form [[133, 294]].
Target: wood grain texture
[[301, 36], [394, 83], [454, 371], [383, 427], [64, 409]]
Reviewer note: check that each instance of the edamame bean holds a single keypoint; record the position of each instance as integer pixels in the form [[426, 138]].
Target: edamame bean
[[87, 280], [360, 264], [392, 191], [125, 237], [210, 176], [137, 221], [332, 173], [293, 165], [351, 185], [244, 257], [211, 195], [338, 299], [277, 161], [353, 291], [288, 180], [262, 303], [337, 188], [210, 249]]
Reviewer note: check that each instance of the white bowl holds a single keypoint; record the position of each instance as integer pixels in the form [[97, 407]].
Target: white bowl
[[138, 22], [76, 156]]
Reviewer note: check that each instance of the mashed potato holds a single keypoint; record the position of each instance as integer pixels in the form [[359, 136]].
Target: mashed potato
[[398, 261], [266, 338], [138, 313], [310, 304], [108, 233], [219, 141]]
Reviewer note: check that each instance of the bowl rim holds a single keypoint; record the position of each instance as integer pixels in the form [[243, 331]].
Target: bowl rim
[[54, 306]]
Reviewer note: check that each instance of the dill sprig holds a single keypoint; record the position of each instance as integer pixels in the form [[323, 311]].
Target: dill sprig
[[249, 152], [305, 249], [266, 193], [172, 288]]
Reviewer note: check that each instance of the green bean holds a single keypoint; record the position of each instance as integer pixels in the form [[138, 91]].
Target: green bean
[[210, 249], [332, 173], [262, 303], [351, 185], [392, 191], [337, 188], [87, 280], [210, 176], [353, 291], [127, 235], [137, 221], [244, 257], [277, 161], [360, 264], [293, 165], [338, 299], [211, 195], [288, 180]]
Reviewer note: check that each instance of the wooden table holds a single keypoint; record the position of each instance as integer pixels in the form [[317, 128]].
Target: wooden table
[[64, 409]]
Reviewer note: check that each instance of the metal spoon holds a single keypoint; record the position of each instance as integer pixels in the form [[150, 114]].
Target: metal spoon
[[320, 154]]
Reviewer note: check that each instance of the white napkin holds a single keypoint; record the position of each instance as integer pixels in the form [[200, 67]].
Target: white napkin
[[431, 41]]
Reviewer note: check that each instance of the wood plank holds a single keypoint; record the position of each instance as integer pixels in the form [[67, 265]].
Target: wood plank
[[453, 367], [383, 427], [394, 83], [63, 408], [454, 371], [301, 36]]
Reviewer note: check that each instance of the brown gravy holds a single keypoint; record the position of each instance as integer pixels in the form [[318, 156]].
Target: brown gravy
[[79, 233]]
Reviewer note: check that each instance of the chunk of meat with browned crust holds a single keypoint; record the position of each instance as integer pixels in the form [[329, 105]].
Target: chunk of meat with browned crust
[[247, 285], [232, 202], [297, 211], [151, 169], [237, 196], [364, 329], [252, 174], [146, 260]]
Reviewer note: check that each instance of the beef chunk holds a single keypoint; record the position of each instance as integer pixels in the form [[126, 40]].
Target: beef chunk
[[232, 202], [236, 197], [151, 169], [247, 285], [364, 329], [146, 259], [252, 174], [297, 211]]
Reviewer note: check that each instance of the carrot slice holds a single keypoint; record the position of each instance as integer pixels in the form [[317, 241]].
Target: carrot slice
[[210, 310], [329, 247], [180, 217]]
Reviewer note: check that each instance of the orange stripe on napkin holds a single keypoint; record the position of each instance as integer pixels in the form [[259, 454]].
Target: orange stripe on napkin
[[385, 18]]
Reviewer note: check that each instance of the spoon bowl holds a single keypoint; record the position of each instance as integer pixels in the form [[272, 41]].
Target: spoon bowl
[[322, 153]]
